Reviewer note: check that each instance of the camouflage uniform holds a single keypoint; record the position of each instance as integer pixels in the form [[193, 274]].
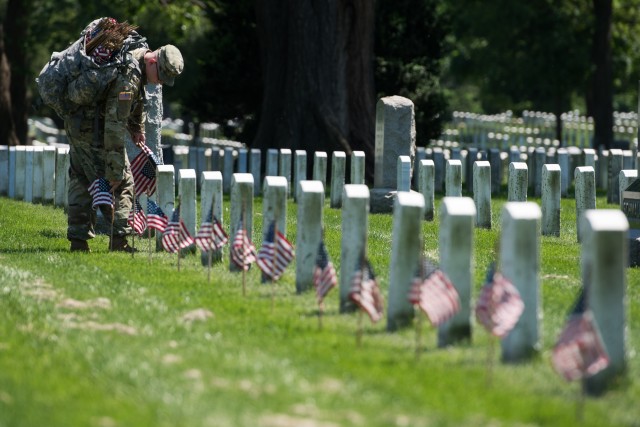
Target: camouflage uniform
[[97, 149]]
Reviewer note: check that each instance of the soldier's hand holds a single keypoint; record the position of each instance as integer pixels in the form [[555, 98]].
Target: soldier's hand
[[138, 138]]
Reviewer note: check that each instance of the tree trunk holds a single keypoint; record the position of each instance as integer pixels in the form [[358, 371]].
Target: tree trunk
[[317, 65], [602, 79], [7, 127]]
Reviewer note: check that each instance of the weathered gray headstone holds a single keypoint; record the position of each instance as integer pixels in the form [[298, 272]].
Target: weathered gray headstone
[[440, 165], [274, 203], [426, 175], [551, 188], [272, 162], [357, 167], [243, 160], [453, 178], [255, 165], [28, 174], [241, 200], [338, 170], [4, 170], [565, 171], [211, 201], [166, 192], [355, 225], [11, 190], [615, 166], [482, 193], [309, 231], [38, 175], [227, 169], [395, 136], [284, 168], [520, 262], [299, 172], [421, 154], [631, 209], [457, 215], [625, 179], [320, 167], [541, 158], [404, 173], [187, 193], [603, 170], [496, 168], [472, 156], [604, 248], [518, 182], [406, 250], [585, 179]]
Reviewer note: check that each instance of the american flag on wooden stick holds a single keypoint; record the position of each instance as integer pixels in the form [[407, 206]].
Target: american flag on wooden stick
[[176, 236], [156, 219], [243, 253], [365, 291], [100, 191], [211, 235], [580, 352], [137, 218], [275, 254], [434, 294], [324, 274], [499, 305], [143, 169]]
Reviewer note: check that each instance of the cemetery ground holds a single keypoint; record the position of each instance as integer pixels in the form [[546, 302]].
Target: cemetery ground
[[107, 339]]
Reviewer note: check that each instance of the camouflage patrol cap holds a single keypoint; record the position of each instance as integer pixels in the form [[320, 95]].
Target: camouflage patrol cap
[[170, 64]]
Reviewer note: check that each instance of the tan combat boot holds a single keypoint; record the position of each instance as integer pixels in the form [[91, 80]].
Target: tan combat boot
[[78, 245], [120, 244]]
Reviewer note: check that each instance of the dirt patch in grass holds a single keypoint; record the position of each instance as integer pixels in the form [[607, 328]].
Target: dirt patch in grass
[[73, 304]]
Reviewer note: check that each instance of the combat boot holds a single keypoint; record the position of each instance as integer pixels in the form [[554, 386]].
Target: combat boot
[[120, 244], [78, 245]]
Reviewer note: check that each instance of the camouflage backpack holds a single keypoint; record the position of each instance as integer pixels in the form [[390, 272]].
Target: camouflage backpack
[[79, 75]]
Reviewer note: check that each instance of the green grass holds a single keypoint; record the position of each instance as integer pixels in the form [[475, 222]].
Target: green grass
[[131, 359]]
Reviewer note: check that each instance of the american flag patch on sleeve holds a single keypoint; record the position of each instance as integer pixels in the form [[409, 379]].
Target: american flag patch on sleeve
[[125, 96]]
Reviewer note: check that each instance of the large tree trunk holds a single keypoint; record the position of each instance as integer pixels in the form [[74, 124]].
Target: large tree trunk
[[7, 127], [602, 79], [16, 27], [317, 62]]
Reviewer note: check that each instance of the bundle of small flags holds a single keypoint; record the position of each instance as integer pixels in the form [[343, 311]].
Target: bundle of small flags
[[211, 235], [137, 218], [176, 236], [324, 274], [365, 291], [499, 305], [143, 169], [156, 218], [243, 253], [434, 294], [100, 191], [580, 352], [275, 254]]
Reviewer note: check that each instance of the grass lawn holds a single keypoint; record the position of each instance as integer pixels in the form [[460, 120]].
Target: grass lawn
[[108, 340]]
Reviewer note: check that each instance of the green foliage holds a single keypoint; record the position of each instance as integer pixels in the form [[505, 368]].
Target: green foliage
[[131, 356]]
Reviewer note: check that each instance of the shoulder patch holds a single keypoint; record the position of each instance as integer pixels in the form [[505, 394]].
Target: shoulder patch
[[125, 96]]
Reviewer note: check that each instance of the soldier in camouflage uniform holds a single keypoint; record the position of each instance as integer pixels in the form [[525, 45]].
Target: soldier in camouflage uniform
[[97, 144]]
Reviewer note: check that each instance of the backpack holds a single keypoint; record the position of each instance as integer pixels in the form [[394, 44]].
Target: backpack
[[72, 79]]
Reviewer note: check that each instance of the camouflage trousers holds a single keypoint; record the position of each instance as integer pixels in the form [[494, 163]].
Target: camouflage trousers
[[86, 165]]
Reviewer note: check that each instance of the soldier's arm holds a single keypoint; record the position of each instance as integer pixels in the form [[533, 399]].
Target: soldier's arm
[[118, 110]]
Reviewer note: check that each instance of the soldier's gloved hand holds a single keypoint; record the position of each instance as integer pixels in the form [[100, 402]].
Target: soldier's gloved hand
[[138, 138]]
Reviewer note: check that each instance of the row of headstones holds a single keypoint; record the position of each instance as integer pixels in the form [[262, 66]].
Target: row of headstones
[[603, 232]]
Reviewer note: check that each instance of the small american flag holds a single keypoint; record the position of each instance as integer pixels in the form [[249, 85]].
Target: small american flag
[[365, 291], [275, 254], [324, 274], [579, 352], [156, 219], [211, 235], [435, 295], [499, 305], [176, 236], [143, 169], [243, 253], [100, 191], [137, 218]]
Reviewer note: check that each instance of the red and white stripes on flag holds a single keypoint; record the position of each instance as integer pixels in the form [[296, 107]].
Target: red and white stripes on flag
[[499, 306], [137, 218], [275, 254], [243, 253], [156, 219], [211, 235], [435, 296], [176, 236], [324, 274], [365, 292], [579, 352], [143, 169]]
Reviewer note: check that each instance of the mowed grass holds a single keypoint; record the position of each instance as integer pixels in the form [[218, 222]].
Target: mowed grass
[[105, 340]]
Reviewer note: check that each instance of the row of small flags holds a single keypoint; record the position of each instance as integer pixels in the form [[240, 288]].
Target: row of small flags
[[578, 353]]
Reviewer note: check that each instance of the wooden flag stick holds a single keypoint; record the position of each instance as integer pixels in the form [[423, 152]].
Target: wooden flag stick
[[490, 357], [320, 313], [418, 333], [151, 237], [359, 330]]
